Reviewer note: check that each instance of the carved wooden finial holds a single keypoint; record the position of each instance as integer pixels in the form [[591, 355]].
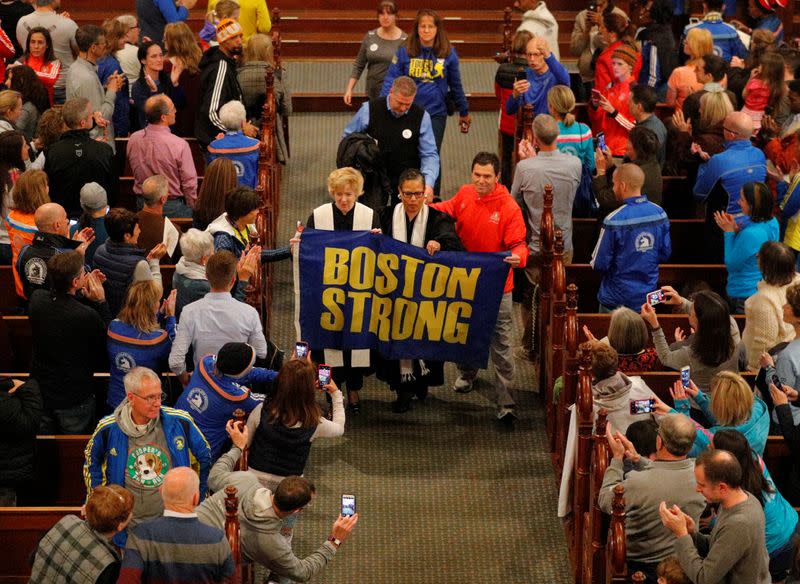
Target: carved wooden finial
[[231, 500], [586, 359], [618, 504], [548, 195], [559, 245], [572, 297], [638, 578], [602, 420]]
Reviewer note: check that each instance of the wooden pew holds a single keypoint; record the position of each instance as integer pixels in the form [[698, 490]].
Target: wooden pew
[[675, 275], [21, 528], [59, 472]]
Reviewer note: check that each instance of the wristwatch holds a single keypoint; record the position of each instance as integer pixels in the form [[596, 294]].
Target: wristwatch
[[335, 541]]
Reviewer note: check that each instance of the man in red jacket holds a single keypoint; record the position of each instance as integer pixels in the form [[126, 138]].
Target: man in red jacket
[[489, 220]]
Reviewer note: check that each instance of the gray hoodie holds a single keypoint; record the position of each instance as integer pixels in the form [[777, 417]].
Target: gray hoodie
[[615, 394], [260, 527]]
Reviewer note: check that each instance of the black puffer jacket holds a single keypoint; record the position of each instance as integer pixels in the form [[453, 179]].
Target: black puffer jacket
[[118, 262], [20, 413]]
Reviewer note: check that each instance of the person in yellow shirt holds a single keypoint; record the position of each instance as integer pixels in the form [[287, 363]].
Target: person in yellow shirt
[[253, 16]]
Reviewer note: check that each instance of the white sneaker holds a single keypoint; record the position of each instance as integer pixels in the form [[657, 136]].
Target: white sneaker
[[506, 415], [463, 385]]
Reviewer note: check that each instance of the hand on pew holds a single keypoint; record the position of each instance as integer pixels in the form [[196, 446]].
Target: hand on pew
[[168, 304], [239, 434]]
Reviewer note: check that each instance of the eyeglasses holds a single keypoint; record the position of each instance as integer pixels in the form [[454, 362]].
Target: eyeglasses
[[151, 399], [724, 129], [536, 54], [414, 195]]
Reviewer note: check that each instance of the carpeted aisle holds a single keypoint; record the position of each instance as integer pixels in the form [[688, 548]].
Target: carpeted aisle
[[445, 495]]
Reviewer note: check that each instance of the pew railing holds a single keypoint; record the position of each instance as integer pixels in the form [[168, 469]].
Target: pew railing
[[244, 570], [542, 311], [554, 364], [523, 129], [240, 418], [569, 387], [583, 459], [596, 522], [616, 566]]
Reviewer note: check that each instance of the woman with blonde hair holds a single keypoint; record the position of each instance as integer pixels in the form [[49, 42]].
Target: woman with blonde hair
[[344, 213], [182, 64], [116, 32], [731, 406], [140, 336], [29, 193], [573, 137], [683, 80], [220, 179], [256, 59], [10, 109]]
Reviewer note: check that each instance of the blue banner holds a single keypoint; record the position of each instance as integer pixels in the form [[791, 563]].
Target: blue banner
[[359, 290]]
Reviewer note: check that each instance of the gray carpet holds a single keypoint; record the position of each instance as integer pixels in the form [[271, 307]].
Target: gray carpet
[[445, 495]]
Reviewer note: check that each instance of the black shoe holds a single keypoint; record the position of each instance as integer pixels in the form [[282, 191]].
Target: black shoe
[[355, 407], [403, 402], [507, 417], [421, 394]]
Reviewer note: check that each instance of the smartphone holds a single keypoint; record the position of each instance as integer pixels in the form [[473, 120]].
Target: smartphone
[[301, 349], [348, 505], [592, 7], [777, 382], [601, 142], [519, 75], [643, 406], [655, 297], [685, 376], [324, 374]]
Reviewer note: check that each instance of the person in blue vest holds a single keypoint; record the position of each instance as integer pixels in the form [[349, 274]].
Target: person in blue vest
[[234, 145], [217, 388]]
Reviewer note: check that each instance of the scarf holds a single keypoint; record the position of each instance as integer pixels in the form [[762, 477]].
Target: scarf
[[399, 232]]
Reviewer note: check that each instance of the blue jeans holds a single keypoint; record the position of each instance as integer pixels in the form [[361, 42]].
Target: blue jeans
[[438, 125], [79, 419]]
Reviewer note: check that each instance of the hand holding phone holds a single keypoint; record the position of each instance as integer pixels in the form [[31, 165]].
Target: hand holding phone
[[655, 297], [301, 349], [686, 376], [348, 505], [601, 142], [643, 406], [324, 376]]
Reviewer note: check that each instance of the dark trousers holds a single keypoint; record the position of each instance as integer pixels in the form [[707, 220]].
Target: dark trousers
[[506, 160], [438, 124]]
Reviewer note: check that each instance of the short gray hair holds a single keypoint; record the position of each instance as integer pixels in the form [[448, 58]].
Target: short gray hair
[[153, 188], [128, 20], [405, 86], [545, 128], [677, 433], [232, 114], [137, 376], [195, 244]]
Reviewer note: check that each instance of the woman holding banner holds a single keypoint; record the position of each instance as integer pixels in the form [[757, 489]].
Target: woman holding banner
[[412, 221], [345, 185]]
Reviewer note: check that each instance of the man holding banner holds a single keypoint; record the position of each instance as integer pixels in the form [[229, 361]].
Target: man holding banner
[[489, 220], [412, 221]]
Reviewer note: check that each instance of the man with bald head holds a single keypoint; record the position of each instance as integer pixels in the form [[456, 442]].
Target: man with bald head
[[634, 240], [722, 177], [52, 238], [670, 477], [156, 150], [177, 547]]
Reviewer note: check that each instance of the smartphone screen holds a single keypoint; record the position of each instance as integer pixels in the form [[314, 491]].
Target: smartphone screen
[[685, 376], [324, 373], [601, 142], [655, 297], [301, 349], [643, 406], [348, 505]]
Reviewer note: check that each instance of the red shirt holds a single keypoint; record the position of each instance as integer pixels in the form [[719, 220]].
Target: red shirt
[[490, 223]]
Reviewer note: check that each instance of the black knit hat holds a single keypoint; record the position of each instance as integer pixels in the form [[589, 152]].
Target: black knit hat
[[235, 359]]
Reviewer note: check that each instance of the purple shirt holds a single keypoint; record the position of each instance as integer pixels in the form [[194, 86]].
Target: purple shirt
[[156, 150]]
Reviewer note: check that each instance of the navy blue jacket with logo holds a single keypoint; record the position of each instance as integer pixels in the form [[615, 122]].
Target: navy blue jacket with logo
[[211, 397], [634, 240]]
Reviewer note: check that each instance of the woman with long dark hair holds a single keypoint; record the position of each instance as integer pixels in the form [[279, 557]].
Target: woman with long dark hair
[[220, 178], [709, 349], [430, 60], [283, 430], [13, 156], [152, 80], [182, 61], [40, 57], [35, 101], [780, 518]]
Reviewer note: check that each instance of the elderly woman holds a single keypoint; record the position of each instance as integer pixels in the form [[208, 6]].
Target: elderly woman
[[628, 336], [344, 213], [412, 221], [257, 57], [85, 547], [190, 272], [234, 145]]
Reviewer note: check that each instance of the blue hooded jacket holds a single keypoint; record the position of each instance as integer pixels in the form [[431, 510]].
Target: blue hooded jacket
[[739, 163], [433, 76]]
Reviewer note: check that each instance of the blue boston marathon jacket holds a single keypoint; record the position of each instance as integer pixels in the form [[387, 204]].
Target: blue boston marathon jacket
[[739, 163], [634, 240]]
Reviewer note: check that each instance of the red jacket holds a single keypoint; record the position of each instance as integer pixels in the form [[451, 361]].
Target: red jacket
[[604, 76], [488, 224], [617, 128], [6, 52]]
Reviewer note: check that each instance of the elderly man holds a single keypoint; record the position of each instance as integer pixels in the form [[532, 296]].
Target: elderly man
[[137, 444], [488, 219], [76, 159], [52, 237], [736, 550], [562, 171], [262, 514], [218, 82], [82, 81], [543, 72], [155, 227], [156, 150], [721, 178], [670, 477], [234, 145], [69, 343], [177, 547], [403, 131], [633, 242]]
